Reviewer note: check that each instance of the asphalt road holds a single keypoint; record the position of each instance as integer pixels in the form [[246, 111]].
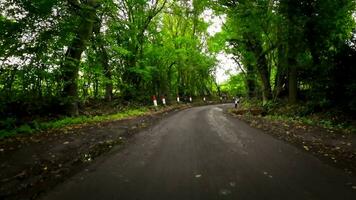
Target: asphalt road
[[202, 153]]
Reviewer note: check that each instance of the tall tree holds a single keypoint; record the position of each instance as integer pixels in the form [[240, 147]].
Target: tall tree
[[70, 67]]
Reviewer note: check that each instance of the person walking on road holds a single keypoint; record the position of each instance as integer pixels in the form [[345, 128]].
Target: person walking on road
[[237, 101]]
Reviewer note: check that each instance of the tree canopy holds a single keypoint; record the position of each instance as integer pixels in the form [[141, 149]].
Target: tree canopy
[[65, 52], [56, 55]]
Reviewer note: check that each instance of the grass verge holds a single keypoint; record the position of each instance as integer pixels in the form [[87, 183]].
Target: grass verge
[[312, 121], [67, 121]]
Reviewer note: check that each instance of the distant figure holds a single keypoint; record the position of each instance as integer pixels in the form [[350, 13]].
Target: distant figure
[[237, 101]]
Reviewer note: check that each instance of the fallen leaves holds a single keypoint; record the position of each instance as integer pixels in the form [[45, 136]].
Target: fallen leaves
[[86, 158], [225, 192], [268, 175], [232, 184], [21, 175]]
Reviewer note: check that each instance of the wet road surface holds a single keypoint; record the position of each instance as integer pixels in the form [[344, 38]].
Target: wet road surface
[[203, 153]]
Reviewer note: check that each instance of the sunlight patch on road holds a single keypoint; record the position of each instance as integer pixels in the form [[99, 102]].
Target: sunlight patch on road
[[223, 127]]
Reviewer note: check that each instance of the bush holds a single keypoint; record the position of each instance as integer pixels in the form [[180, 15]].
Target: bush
[[25, 129], [8, 124]]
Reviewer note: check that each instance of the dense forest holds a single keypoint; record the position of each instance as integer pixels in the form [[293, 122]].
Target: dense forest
[[299, 51], [57, 55]]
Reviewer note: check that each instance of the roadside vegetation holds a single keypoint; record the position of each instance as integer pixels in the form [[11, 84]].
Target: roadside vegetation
[[295, 58], [35, 126], [72, 70], [299, 113], [57, 58]]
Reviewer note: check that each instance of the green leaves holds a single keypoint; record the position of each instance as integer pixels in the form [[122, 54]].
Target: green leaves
[[121, 51]]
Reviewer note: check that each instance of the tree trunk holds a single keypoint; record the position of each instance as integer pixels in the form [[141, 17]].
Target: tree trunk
[[169, 81], [107, 74], [292, 82], [262, 67], [255, 46], [73, 55], [96, 86], [250, 81], [281, 71], [266, 85]]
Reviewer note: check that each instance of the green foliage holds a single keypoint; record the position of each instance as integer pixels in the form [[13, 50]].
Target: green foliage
[[59, 53], [56, 54], [294, 48], [235, 86]]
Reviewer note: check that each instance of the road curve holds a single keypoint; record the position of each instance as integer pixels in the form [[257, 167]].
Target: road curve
[[202, 153]]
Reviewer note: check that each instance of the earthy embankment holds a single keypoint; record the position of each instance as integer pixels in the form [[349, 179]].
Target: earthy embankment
[[333, 146]]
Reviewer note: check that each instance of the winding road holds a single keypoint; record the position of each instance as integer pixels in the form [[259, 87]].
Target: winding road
[[203, 153]]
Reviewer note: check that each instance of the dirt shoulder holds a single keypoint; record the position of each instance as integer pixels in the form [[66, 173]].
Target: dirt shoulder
[[334, 147], [32, 164]]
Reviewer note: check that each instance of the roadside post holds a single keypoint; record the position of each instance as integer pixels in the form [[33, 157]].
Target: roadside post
[[190, 99], [204, 99], [154, 101], [178, 99], [163, 100], [236, 102]]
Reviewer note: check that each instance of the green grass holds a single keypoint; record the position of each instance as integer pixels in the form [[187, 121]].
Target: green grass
[[36, 127], [324, 123]]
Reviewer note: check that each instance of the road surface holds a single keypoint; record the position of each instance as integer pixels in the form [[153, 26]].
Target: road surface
[[203, 153]]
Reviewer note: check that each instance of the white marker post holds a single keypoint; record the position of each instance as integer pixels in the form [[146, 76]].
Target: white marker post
[[154, 101], [178, 99], [204, 99], [164, 100], [190, 99]]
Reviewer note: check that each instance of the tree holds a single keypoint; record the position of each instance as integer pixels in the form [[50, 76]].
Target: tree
[[70, 67]]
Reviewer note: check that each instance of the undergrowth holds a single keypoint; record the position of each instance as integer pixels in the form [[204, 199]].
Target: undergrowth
[[303, 113]]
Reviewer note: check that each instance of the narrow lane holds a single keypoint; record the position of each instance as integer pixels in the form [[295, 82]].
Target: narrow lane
[[202, 153]]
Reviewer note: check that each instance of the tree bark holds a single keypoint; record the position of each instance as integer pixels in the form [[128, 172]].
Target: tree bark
[[262, 67], [73, 55], [292, 82], [281, 71], [255, 46], [107, 74], [250, 81]]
